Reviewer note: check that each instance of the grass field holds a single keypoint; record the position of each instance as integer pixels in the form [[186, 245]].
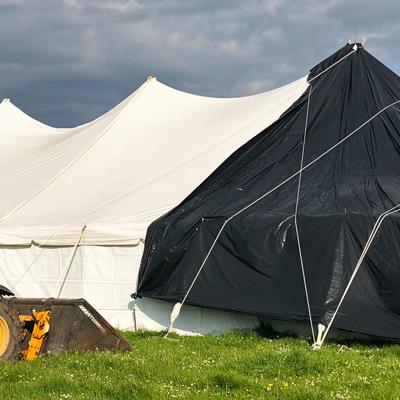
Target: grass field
[[232, 366]]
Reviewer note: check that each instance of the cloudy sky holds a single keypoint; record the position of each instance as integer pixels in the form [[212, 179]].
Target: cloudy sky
[[67, 61]]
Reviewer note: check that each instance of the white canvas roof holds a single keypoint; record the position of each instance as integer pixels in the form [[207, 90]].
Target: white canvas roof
[[119, 172], [115, 174]]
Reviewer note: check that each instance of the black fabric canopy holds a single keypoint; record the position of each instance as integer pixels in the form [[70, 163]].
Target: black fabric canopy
[[254, 267]]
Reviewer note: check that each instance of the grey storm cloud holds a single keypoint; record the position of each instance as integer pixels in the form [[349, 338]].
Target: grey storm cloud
[[66, 62]]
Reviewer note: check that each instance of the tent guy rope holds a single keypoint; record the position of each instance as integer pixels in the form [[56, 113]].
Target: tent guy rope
[[296, 219], [355, 47]]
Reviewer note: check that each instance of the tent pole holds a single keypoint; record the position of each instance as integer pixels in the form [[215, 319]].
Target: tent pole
[[70, 261]]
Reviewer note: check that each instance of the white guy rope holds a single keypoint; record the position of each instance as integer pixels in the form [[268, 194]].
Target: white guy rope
[[335, 63], [371, 237], [177, 307], [295, 217], [68, 265]]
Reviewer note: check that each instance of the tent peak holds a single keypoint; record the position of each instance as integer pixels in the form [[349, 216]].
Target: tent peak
[[6, 100], [151, 78], [356, 44]]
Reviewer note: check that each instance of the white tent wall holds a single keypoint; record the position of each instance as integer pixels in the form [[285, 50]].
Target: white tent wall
[[106, 277], [154, 315], [116, 175], [103, 275]]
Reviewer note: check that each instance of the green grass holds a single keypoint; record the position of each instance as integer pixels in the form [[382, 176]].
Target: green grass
[[232, 366]]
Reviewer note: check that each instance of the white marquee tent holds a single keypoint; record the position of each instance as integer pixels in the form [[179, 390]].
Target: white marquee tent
[[115, 175]]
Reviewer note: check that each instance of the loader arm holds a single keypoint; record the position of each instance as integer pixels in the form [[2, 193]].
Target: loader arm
[[41, 327]]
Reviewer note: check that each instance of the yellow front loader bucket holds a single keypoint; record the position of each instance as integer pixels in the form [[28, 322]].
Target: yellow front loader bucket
[[30, 327]]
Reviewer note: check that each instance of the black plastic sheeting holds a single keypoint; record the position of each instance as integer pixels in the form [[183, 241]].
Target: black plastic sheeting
[[254, 267]]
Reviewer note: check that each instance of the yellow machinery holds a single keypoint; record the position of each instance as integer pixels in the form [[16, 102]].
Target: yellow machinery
[[41, 327], [30, 327]]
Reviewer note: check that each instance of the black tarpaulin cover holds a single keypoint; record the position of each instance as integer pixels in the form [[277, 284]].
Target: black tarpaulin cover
[[254, 267]]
